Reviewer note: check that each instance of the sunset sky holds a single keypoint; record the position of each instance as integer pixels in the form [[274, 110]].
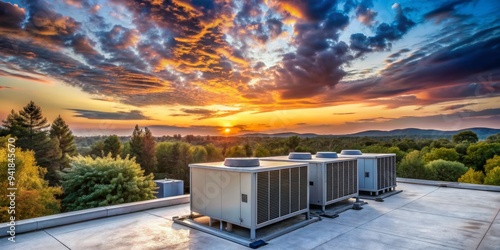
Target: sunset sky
[[267, 66]]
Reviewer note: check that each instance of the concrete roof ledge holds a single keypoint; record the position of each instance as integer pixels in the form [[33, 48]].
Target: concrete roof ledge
[[480, 187], [54, 220], [145, 205]]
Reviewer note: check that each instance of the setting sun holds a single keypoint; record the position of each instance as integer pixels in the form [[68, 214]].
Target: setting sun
[[227, 130]]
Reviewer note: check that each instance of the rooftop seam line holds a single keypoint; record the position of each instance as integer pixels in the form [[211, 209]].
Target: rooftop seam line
[[498, 212], [56, 239], [146, 212]]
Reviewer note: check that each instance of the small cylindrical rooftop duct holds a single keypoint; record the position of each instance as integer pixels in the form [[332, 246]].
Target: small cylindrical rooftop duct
[[299, 156], [351, 152], [327, 155], [241, 162]]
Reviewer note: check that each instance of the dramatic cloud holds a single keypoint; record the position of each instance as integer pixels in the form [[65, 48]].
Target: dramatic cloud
[[445, 11], [260, 55], [11, 16], [46, 22], [384, 34], [364, 14], [465, 68], [202, 113], [120, 115]]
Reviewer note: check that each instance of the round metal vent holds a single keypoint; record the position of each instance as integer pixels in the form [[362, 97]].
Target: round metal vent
[[241, 162], [299, 156], [327, 155], [351, 152]]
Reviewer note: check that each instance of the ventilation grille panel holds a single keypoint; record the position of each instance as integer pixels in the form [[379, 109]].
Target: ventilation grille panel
[[341, 179], [285, 192], [386, 169], [262, 197], [303, 188], [294, 194], [274, 198], [281, 192]]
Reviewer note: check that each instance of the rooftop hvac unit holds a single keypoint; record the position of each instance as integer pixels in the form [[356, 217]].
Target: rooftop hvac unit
[[377, 172], [249, 193], [168, 188], [331, 179]]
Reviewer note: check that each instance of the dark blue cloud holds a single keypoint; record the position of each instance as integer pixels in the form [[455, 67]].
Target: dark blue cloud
[[446, 11], [11, 16], [120, 115], [384, 34]]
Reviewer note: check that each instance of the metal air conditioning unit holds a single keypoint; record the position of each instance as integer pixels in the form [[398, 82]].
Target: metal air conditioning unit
[[169, 187], [377, 172], [249, 193], [331, 179]]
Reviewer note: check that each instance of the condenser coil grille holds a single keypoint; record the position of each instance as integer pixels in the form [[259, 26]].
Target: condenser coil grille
[[341, 179], [386, 168], [281, 192]]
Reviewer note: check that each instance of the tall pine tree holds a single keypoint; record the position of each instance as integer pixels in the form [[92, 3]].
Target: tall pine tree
[[136, 144], [148, 162], [30, 128], [13, 125], [142, 147], [61, 131], [112, 145]]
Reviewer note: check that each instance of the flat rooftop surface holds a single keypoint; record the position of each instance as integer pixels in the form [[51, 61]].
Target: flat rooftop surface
[[420, 217]]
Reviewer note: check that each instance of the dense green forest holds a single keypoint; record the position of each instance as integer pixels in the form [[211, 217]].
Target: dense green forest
[[56, 171]]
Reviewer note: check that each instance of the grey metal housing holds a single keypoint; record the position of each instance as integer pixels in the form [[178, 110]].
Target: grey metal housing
[[250, 197], [376, 172]]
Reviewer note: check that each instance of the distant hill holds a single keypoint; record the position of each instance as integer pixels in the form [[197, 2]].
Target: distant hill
[[285, 134], [482, 133]]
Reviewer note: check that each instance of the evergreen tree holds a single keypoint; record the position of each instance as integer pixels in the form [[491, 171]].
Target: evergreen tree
[[97, 149], [60, 130], [113, 146], [136, 144], [148, 158], [30, 127], [12, 125], [105, 181]]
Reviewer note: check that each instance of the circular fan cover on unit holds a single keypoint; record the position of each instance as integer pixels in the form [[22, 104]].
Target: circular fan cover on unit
[[351, 152], [327, 155], [241, 162], [299, 156]]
